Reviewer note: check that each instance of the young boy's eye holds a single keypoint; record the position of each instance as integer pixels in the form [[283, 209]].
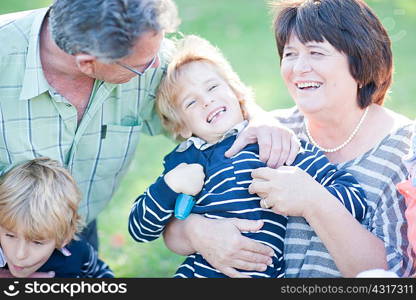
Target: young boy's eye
[[189, 103], [9, 235], [212, 87], [37, 242]]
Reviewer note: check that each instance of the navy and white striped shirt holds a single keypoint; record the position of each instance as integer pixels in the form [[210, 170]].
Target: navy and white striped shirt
[[225, 195]]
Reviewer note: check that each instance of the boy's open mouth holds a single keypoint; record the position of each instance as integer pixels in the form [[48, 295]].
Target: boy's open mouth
[[215, 113]]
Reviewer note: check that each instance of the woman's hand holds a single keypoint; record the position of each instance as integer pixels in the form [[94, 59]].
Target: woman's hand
[[278, 145], [286, 190], [293, 192], [220, 242]]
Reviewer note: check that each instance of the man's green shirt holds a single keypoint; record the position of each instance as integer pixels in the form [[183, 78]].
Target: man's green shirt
[[36, 121]]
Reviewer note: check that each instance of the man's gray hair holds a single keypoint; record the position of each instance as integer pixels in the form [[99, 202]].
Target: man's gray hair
[[108, 29]]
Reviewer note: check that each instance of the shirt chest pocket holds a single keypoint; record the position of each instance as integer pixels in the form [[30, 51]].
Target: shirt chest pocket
[[108, 152]]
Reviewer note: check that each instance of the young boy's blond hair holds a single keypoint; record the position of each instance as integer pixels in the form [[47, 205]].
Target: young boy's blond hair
[[41, 198], [190, 49]]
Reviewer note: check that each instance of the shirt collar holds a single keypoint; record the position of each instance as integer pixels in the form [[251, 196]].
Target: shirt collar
[[202, 144], [65, 251], [33, 69]]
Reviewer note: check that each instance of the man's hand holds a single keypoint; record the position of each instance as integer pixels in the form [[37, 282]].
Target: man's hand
[[278, 145], [230, 250]]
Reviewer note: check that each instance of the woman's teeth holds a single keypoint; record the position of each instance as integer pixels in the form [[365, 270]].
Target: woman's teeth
[[305, 85]]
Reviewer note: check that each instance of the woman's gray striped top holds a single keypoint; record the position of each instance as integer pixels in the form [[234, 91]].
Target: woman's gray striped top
[[378, 171]]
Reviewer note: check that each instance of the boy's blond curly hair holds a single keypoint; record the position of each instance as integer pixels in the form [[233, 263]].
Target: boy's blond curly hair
[[190, 49], [40, 198]]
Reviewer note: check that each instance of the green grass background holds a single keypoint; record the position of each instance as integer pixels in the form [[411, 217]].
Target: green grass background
[[242, 29]]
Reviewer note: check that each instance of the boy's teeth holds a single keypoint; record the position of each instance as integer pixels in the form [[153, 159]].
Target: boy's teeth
[[303, 85], [215, 114]]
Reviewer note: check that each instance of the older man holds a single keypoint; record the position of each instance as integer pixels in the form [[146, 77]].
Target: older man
[[69, 88]]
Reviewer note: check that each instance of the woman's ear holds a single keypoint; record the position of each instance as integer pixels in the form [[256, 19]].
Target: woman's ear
[[85, 63]]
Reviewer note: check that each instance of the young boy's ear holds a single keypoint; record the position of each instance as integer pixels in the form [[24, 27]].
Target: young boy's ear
[[243, 105], [185, 133]]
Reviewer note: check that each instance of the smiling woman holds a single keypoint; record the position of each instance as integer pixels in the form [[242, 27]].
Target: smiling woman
[[312, 70], [338, 75], [343, 65]]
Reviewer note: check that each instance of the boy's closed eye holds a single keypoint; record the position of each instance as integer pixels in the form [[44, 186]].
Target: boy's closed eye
[[189, 103], [212, 87]]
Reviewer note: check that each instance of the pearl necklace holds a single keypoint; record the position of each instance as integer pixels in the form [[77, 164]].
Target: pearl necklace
[[344, 143]]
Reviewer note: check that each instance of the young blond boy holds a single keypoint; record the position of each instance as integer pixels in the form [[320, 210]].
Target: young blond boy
[[39, 222], [202, 101]]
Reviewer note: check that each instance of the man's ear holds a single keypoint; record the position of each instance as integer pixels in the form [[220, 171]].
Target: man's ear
[[85, 63]]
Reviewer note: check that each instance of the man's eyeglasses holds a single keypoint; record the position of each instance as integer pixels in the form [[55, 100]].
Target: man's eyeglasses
[[140, 73]]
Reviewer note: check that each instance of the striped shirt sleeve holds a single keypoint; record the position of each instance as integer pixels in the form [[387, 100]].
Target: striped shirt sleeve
[[152, 211], [339, 183], [95, 267]]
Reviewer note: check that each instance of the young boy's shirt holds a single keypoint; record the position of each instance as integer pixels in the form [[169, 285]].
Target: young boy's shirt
[[225, 195], [77, 260]]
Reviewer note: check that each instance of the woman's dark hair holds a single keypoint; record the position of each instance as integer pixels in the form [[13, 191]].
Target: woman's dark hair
[[352, 28]]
